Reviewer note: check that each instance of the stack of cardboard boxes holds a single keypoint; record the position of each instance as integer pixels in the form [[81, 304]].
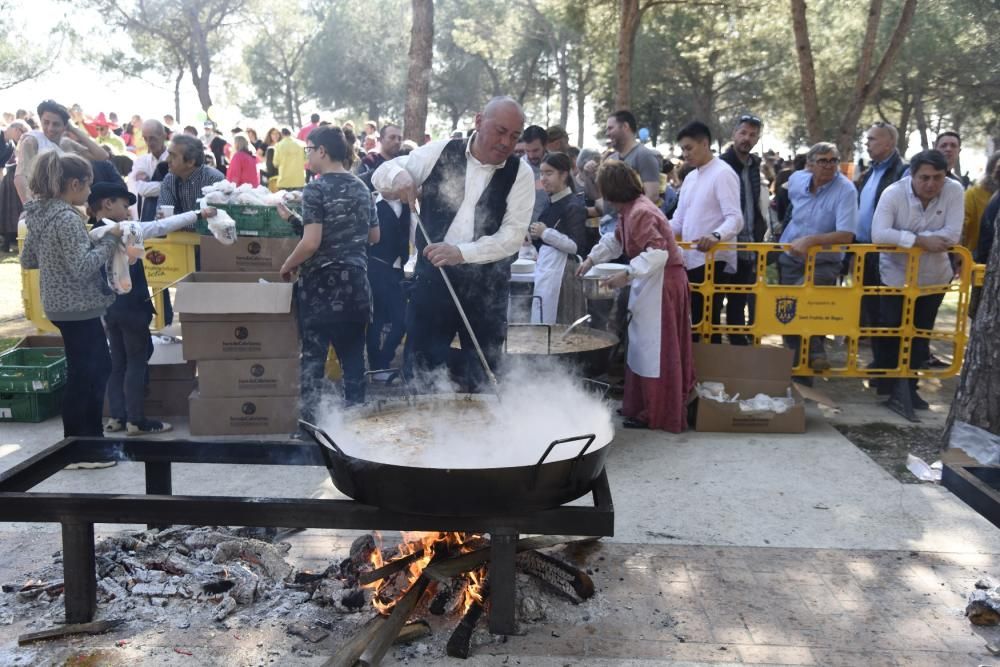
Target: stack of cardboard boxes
[[239, 326]]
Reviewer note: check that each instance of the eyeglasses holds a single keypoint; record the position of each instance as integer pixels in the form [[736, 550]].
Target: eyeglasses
[[826, 161], [311, 148], [749, 118]]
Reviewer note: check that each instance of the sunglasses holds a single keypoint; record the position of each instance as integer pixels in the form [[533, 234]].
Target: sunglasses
[[749, 118]]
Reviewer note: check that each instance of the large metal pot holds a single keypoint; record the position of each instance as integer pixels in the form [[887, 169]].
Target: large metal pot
[[594, 290], [542, 485], [584, 348]]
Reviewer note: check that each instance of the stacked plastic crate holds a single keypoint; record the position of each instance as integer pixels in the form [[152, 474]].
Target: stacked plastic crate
[[32, 381]]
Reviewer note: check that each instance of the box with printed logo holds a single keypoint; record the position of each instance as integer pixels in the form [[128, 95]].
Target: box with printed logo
[[236, 316], [247, 254], [248, 377], [248, 415]]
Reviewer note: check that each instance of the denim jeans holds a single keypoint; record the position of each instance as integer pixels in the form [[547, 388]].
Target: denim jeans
[[128, 334], [88, 365]]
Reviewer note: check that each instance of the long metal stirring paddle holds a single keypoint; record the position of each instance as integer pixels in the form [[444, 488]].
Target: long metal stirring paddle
[[415, 214]]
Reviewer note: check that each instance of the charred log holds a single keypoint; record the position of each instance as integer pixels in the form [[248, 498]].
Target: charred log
[[389, 568], [447, 596], [563, 578], [387, 634], [461, 639]]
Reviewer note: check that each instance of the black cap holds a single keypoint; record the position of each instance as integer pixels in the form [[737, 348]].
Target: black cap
[[107, 190]]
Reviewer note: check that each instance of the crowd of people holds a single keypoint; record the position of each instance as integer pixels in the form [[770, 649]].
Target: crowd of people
[[385, 222]]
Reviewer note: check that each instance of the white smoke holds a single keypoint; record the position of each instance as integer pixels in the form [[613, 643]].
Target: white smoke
[[539, 403]]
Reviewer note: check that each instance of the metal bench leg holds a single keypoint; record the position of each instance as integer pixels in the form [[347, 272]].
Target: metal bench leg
[[159, 482], [503, 549], [79, 576]]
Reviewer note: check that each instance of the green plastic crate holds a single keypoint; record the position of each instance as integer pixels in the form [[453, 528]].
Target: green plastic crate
[[32, 369], [30, 407], [262, 221]]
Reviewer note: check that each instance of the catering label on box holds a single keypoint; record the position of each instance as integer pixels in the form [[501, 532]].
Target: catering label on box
[[248, 377], [244, 415], [748, 371], [240, 337], [247, 254]]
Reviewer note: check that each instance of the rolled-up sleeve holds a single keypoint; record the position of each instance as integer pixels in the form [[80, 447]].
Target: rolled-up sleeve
[[418, 163], [890, 205], [508, 239]]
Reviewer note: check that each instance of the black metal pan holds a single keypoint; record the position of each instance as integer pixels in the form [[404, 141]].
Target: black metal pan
[[466, 491]]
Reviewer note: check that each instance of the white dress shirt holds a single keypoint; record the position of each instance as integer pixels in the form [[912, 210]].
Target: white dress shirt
[[900, 218], [145, 164], [520, 201], [709, 202]]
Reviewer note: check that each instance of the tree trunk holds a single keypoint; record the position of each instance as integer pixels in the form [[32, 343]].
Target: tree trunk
[[564, 93], [807, 71], [977, 400], [628, 28], [905, 112], [177, 94], [290, 103], [373, 112], [918, 110], [581, 108], [865, 87], [419, 76]]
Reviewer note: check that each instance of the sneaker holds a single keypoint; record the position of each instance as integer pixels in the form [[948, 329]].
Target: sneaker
[[919, 403], [90, 465], [147, 427], [114, 426]]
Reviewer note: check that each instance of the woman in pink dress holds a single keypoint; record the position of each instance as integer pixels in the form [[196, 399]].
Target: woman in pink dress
[[659, 374]]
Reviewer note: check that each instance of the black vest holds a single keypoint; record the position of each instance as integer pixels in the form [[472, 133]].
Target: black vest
[[441, 196], [394, 240]]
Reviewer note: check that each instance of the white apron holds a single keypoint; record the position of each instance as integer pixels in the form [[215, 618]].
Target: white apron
[[645, 304], [549, 270]]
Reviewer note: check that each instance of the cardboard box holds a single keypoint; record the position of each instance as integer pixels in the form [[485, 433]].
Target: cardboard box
[[240, 337], [168, 398], [164, 398], [248, 377], [256, 255], [207, 293], [747, 371], [234, 316], [41, 340], [274, 415], [167, 363]]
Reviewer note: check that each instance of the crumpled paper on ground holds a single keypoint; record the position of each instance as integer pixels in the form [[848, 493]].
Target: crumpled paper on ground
[[716, 391], [922, 471]]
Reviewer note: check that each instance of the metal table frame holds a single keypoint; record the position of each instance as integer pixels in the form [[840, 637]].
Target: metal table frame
[[78, 512]]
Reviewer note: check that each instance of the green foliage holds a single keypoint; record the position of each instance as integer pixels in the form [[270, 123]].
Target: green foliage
[[24, 59], [359, 58]]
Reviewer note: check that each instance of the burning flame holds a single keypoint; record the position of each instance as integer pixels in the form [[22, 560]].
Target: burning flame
[[431, 544]]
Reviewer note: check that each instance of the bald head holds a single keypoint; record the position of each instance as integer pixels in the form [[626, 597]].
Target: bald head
[[155, 136], [498, 128]]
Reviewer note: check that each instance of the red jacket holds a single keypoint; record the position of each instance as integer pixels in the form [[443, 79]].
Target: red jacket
[[243, 169]]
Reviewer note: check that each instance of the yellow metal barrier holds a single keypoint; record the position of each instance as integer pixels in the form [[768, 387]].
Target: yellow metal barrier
[[819, 310]]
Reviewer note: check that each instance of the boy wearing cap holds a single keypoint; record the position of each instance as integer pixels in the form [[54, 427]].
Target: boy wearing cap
[[127, 319]]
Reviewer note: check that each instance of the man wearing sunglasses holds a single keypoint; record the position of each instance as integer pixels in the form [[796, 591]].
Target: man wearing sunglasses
[[746, 134], [824, 212]]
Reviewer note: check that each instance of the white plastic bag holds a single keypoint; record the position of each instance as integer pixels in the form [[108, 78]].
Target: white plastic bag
[[976, 442], [223, 227]]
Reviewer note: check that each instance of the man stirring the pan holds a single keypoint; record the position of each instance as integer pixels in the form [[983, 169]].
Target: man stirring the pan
[[475, 200]]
